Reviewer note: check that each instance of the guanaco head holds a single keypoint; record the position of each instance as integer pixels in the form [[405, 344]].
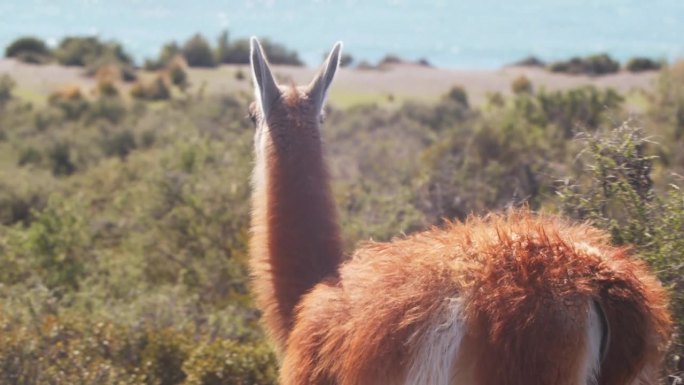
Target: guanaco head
[[286, 116]]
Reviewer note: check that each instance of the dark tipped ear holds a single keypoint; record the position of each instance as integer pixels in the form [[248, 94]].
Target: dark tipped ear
[[318, 89], [265, 88]]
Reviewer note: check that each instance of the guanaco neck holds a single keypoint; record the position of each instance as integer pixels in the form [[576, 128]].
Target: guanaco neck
[[295, 235]]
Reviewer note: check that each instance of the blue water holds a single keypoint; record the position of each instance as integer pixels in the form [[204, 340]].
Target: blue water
[[458, 33]]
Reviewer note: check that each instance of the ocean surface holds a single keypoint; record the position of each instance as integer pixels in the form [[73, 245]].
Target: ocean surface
[[460, 34]]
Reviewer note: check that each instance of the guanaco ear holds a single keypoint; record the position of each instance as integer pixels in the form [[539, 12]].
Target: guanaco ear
[[318, 89], [265, 88]]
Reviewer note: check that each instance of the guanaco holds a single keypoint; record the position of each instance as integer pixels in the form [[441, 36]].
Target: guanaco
[[507, 299]]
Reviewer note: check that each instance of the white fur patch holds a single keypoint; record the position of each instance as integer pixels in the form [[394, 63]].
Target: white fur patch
[[438, 348], [587, 248], [594, 333]]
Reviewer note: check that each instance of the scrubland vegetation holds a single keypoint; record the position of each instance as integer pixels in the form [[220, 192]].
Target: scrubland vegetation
[[197, 51], [124, 221], [601, 64], [593, 65]]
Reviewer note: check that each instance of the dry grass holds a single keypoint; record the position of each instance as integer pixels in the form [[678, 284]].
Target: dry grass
[[397, 82]]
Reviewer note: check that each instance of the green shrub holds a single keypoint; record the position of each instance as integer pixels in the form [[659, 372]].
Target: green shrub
[[581, 108], [56, 242], [601, 64], [231, 362], [70, 101], [666, 108], [177, 74], [346, 60], [496, 100], [21, 197], [522, 85], [240, 75], [7, 84], [61, 159], [107, 108], [641, 64], [239, 53], [66, 349], [530, 61], [26, 44], [572, 66], [390, 59], [457, 94], [29, 155], [203, 220], [279, 54], [90, 51], [132, 265], [163, 356], [501, 154], [120, 144], [375, 196], [78, 51], [487, 164], [106, 89], [619, 196], [198, 53], [49, 350], [276, 53], [594, 65], [148, 138], [28, 49], [107, 77]]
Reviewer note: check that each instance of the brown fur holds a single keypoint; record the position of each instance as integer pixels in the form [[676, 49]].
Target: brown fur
[[524, 283], [295, 237]]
